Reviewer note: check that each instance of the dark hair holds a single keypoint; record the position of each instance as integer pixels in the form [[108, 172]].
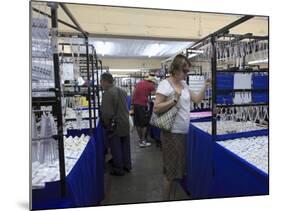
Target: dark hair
[[178, 63], [107, 77]]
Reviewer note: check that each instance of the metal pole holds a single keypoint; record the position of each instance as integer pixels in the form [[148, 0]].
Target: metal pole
[[93, 89], [89, 86], [54, 17], [100, 66], [214, 94], [67, 11], [98, 82], [223, 30]]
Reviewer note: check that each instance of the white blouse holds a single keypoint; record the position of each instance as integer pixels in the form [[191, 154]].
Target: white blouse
[[181, 124]]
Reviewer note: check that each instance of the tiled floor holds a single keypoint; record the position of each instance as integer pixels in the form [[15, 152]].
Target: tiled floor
[[144, 183]]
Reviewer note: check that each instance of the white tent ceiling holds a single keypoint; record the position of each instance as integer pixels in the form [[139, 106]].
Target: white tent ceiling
[[130, 48], [106, 21], [119, 32]]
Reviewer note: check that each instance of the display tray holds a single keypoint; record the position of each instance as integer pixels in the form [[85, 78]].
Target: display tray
[[85, 181]]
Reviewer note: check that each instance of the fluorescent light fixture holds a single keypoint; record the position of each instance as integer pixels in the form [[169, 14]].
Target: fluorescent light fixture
[[192, 55], [258, 61], [154, 49], [120, 75], [195, 51], [123, 70], [104, 48]]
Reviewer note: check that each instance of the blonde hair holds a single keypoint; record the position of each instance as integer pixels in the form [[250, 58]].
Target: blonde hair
[[178, 63]]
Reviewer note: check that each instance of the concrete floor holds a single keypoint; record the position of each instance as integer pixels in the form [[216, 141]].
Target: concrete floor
[[145, 181]]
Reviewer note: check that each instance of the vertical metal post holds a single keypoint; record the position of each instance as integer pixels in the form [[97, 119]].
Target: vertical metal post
[[93, 89], [131, 87], [98, 82], [89, 86], [54, 18], [214, 82], [101, 66]]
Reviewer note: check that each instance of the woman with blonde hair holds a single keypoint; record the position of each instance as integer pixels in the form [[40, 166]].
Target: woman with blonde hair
[[173, 91]]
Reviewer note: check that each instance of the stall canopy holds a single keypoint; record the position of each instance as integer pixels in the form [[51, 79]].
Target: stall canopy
[[136, 30]]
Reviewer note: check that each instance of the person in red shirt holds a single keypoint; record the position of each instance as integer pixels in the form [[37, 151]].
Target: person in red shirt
[[140, 103]]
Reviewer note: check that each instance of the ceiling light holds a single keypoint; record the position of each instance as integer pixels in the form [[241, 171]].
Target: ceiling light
[[258, 61], [195, 51], [123, 70], [192, 55], [154, 49], [103, 48]]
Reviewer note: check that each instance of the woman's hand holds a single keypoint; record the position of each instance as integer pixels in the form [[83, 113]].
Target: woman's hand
[[208, 82]]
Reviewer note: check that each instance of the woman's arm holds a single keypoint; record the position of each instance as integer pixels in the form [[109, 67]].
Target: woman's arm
[[199, 97], [161, 104]]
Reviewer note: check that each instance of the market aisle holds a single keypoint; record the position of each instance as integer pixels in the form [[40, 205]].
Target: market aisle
[[144, 183]]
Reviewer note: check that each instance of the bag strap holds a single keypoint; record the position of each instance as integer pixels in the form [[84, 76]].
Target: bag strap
[[171, 84], [173, 89]]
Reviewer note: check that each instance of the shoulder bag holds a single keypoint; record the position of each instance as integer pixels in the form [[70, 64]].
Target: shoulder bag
[[165, 120]]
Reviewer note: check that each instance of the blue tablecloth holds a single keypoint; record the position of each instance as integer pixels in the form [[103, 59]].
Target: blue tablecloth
[[129, 101], [234, 176], [85, 182], [213, 171], [199, 161]]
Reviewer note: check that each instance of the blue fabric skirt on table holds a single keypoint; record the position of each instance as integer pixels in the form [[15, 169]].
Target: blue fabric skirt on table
[[213, 171]]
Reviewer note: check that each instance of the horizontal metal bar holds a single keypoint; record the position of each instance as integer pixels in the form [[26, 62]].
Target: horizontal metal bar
[[246, 36], [222, 30], [74, 119], [242, 105], [42, 110], [44, 100], [45, 90], [240, 90], [243, 71], [44, 138], [72, 94], [135, 37], [72, 54]]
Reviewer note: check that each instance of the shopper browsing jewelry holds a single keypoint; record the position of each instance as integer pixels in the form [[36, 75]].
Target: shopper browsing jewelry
[[174, 91], [115, 119]]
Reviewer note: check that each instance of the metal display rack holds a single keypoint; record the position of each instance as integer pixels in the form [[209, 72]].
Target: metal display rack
[[213, 39], [56, 100], [93, 89]]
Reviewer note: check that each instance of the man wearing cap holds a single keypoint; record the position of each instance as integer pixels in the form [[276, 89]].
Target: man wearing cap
[[140, 103]]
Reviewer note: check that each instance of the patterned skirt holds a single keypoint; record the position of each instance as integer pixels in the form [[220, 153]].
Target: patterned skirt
[[174, 150]]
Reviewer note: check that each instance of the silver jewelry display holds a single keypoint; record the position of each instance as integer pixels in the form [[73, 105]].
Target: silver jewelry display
[[228, 126], [42, 54], [49, 172], [252, 149]]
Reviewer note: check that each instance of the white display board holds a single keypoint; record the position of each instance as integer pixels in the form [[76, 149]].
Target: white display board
[[67, 71]]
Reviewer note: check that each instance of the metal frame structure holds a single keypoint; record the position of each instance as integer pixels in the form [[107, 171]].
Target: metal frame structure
[[56, 101], [95, 75], [224, 32]]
